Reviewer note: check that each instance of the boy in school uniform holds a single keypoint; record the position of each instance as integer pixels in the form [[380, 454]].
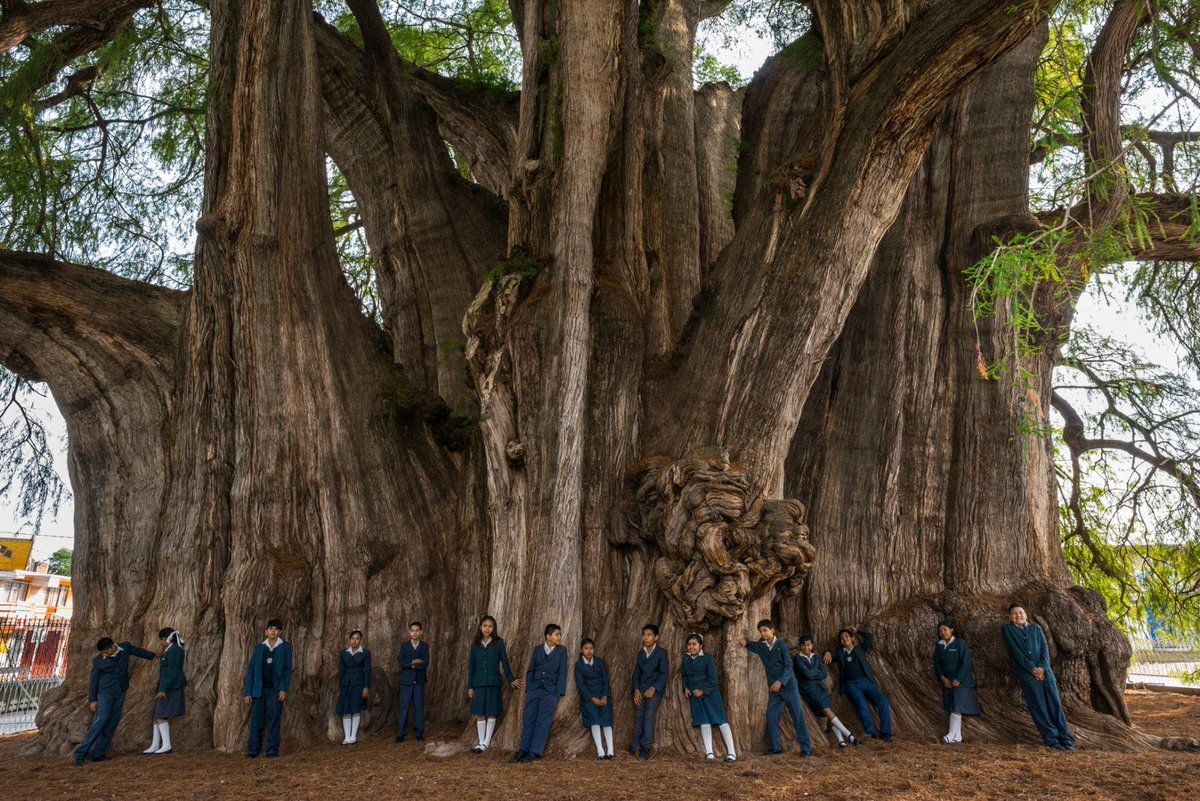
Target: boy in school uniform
[[414, 663], [650, 670], [268, 679], [1030, 654], [106, 696], [777, 662], [545, 683], [857, 680], [811, 674]]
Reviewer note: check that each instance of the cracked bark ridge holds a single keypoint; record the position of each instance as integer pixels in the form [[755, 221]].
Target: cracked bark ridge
[[721, 545]]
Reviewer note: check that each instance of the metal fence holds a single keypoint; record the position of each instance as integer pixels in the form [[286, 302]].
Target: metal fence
[[33, 660], [1171, 661]]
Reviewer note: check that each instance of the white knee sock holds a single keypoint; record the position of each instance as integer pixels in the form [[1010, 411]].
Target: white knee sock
[[481, 730], [164, 733], [706, 735], [840, 728], [156, 739], [487, 735], [727, 736], [955, 733], [355, 719], [596, 739], [609, 738], [345, 729]]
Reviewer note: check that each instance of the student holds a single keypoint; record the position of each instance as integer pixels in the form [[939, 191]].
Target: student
[[171, 681], [857, 680], [591, 679], [699, 673], [952, 669], [106, 696], [777, 662], [354, 686], [1031, 655], [650, 670], [268, 679], [545, 683], [811, 674], [487, 658], [414, 662]]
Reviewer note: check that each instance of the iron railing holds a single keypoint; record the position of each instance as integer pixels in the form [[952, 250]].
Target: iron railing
[[33, 660]]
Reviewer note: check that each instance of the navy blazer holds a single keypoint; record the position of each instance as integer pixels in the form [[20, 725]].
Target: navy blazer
[[592, 680], [408, 673], [110, 674], [777, 661], [170, 670], [547, 672], [651, 671], [859, 652], [699, 674], [954, 662], [281, 668], [1027, 647], [810, 669], [354, 670], [485, 663]]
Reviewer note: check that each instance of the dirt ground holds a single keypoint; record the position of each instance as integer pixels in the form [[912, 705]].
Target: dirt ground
[[379, 769]]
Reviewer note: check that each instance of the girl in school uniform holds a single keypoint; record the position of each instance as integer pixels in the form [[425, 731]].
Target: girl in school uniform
[[952, 668], [595, 692], [487, 659], [171, 681], [699, 672], [354, 686]]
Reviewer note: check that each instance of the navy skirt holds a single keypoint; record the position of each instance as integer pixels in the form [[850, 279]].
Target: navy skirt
[[350, 700], [816, 696], [961, 699], [487, 702], [595, 715], [170, 707], [707, 710]]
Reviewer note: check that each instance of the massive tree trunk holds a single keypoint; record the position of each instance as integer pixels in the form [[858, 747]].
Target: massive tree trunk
[[653, 374]]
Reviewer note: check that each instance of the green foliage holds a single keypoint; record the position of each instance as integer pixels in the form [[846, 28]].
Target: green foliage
[[707, 68], [26, 462], [519, 262], [60, 562]]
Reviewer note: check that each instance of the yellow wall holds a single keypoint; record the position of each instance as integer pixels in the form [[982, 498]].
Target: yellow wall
[[14, 552]]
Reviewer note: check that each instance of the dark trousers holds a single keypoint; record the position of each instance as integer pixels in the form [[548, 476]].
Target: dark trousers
[[1045, 707], [539, 712], [787, 696], [265, 710], [862, 691], [643, 722], [104, 726], [412, 695]]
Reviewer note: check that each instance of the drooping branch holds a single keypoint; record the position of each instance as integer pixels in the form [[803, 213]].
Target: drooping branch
[[24, 20], [1170, 230]]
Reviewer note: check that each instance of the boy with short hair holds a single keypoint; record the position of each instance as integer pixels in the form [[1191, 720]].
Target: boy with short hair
[[1030, 654], [106, 696], [545, 683], [268, 679], [414, 664], [857, 681], [777, 662], [650, 670], [811, 674]]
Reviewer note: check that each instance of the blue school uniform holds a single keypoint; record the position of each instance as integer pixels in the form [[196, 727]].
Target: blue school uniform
[[268, 673], [700, 673], [106, 688], [545, 683], [1028, 649], [777, 663], [484, 665], [412, 687], [592, 682], [354, 676], [811, 674], [649, 670], [856, 681], [171, 681], [952, 660]]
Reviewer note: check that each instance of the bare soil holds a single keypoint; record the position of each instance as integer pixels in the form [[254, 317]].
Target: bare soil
[[379, 769]]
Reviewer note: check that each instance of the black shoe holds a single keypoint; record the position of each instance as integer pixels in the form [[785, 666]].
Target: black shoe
[[101, 758], [773, 752], [843, 744], [271, 756], [399, 738], [852, 740], [887, 738], [804, 754], [517, 757], [420, 738], [643, 753], [533, 757], [632, 751], [79, 762], [251, 755], [479, 749]]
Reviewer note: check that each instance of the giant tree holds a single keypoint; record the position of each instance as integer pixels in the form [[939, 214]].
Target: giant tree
[[632, 351]]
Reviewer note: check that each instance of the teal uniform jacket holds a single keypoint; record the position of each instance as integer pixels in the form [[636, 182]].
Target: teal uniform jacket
[[170, 670]]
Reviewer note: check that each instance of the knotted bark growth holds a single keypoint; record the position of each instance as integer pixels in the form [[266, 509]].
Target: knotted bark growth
[[721, 544]]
